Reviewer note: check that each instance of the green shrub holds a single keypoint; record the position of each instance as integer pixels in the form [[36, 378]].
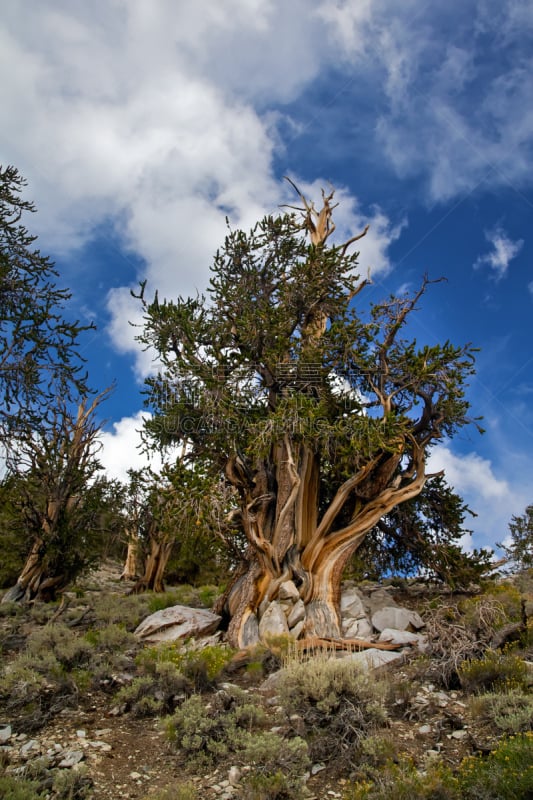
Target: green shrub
[[124, 610], [57, 639], [201, 667], [271, 786], [154, 694], [496, 670], [506, 774], [10, 610], [16, 789], [184, 595], [339, 705], [229, 726], [511, 712], [72, 784], [277, 766], [403, 782], [207, 595], [494, 608], [111, 638]]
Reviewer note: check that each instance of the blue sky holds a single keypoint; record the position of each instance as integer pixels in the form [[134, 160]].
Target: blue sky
[[140, 125]]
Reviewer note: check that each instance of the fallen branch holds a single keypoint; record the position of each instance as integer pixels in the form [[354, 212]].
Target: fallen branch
[[315, 642]]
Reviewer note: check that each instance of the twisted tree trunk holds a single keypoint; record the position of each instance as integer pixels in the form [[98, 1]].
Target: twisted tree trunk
[[288, 542]]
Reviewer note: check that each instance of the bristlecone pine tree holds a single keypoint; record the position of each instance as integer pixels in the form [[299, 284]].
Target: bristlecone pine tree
[[39, 348], [320, 418], [63, 509]]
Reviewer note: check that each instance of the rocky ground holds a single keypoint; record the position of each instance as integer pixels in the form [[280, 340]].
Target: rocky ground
[[122, 756]]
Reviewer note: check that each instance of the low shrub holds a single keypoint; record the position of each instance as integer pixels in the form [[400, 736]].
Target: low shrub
[[119, 609], [184, 595], [111, 638], [510, 712], [495, 670], [156, 693], [72, 784], [338, 703], [206, 735], [506, 774], [201, 667], [17, 789], [277, 767], [233, 728], [57, 639]]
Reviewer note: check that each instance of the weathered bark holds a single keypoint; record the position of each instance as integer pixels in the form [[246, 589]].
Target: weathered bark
[[69, 448], [155, 567], [287, 540], [130, 571], [33, 582]]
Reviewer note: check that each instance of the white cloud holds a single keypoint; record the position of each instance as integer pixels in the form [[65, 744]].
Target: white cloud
[[121, 448], [491, 497], [449, 109], [350, 220], [502, 253], [141, 116]]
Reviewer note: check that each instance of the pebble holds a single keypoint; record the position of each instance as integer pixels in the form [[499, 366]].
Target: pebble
[[424, 729], [459, 734], [27, 748], [5, 733], [234, 776], [71, 758], [316, 768]]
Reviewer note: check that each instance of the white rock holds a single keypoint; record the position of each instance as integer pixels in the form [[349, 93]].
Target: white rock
[[297, 613], [288, 591], [273, 622], [399, 637], [459, 734], [234, 776], [352, 605], [358, 629], [71, 758], [381, 598], [177, 622], [5, 733], [372, 659], [29, 747], [396, 618]]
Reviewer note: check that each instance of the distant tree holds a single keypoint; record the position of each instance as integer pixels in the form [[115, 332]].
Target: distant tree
[[59, 505], [175, 517], [319, 417], [519, 547], [39, 356]]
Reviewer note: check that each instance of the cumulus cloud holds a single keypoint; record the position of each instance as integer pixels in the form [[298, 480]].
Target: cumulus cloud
[[146, 118], [121, 448], [445, 111], [502, 253], [350, 220], [493, 499]]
